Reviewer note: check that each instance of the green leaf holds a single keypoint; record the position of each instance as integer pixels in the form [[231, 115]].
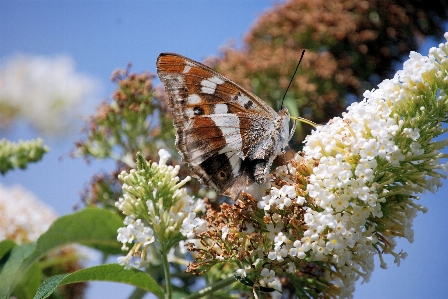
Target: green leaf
[[93, 227], [29, 284], [11, 268], [5, 247], [110, 272]]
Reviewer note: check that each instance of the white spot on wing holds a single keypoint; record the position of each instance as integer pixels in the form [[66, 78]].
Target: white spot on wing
[[220, 108], [194, 99], [186, 69], [233, 158], [209, 85], [230, 127], [216, 80], [243, 100], [189, 112], [235, 161]]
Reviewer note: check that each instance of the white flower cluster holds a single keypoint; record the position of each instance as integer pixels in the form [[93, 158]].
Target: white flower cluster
[[134, 231], [23, 217], [44, 91], [156, 209], [280, 197], [375, 151], [164, 177], [193, 225]]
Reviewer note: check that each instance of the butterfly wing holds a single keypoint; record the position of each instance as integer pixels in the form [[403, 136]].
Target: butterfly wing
[[223, 131]]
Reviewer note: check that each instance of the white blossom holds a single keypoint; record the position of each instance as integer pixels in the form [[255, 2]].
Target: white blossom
[[23, 217], [379, 148], [46, 91], [156, 206], [267, 275]]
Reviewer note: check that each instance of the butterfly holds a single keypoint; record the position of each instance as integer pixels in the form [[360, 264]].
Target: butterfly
[[228, 135]]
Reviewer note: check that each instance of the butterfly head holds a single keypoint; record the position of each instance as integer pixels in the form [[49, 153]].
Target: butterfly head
[[284, 135]]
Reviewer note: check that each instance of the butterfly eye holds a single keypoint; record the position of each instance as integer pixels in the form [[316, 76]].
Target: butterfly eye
[[198, 111]]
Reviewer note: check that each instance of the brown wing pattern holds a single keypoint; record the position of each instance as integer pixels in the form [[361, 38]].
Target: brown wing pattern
[[218, 123]]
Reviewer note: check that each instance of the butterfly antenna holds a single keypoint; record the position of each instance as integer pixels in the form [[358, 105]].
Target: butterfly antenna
[[292, 78]]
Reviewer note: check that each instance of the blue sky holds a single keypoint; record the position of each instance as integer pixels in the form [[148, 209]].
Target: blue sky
[[104, 35]]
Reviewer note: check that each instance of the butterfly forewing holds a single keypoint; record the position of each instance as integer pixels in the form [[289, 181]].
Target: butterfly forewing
[[223, 131]]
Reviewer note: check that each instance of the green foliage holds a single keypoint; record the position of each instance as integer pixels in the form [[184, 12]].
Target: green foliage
[[109, 272], [92, 227], [19, 155], [13, 267], [30, 282], [5, 248]]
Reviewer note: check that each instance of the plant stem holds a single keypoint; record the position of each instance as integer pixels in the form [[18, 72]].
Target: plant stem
[[212, 288], [166, 269]]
